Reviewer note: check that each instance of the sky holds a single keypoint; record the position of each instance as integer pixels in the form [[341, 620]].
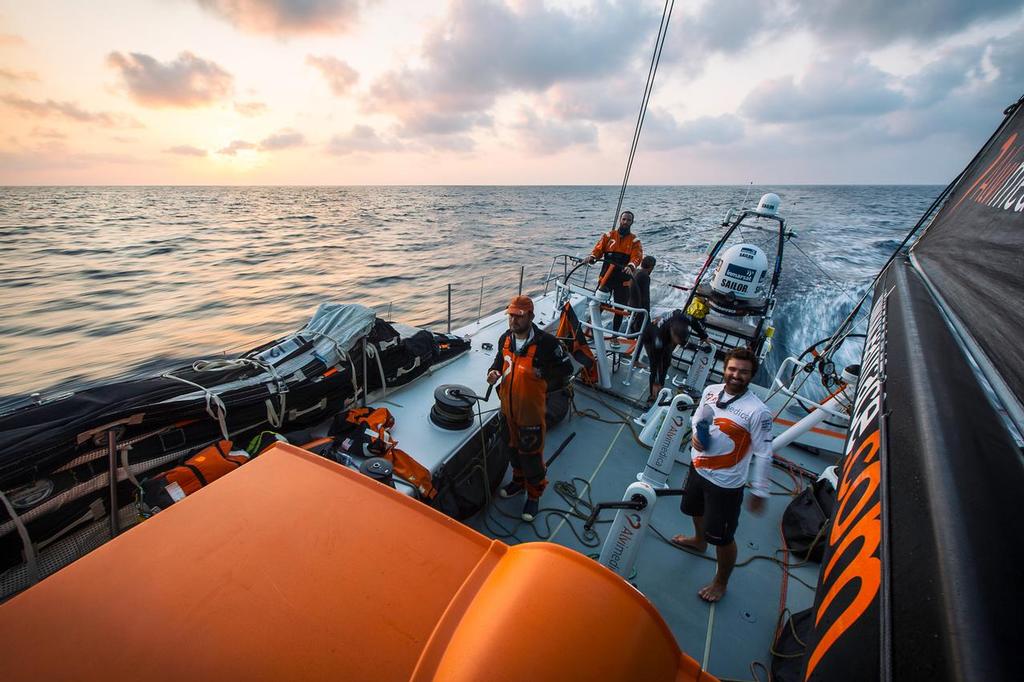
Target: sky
[[354, 92]]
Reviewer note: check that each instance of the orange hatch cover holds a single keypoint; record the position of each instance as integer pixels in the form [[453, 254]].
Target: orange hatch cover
[[293, 567]]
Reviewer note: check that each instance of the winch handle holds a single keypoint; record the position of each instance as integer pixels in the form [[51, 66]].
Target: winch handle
[[636, 504], [473, 396]]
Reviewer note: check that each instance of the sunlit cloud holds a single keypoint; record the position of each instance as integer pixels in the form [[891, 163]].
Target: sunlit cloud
[[832, 87], [69, 110], [7, 74], [286, 17], [235, 147], [662, 131], [547, 136], [285, 139], [48, 133], [341, 77], [251, 109], [10, 40], [185, 150], [362, 138], [188, 81]]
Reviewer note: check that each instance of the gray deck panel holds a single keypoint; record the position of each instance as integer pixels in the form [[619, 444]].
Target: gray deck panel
[[745, 620]]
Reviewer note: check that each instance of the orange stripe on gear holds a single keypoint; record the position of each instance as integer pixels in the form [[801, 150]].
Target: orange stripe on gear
[[740, 438]]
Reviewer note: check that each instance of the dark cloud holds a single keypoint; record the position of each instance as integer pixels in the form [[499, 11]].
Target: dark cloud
[[662, 131], [250, 108], [834, 87], [185, 150], [235, 147], [285, 139], [70, 110], [717, 27], [286, 17], [879, 22], [362, 138], [547, 136], [9, 75], [483, 49], [188, 81], [340, 76]]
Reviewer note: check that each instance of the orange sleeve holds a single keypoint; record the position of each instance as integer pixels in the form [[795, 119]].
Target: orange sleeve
[[598, 251], [636, 253]]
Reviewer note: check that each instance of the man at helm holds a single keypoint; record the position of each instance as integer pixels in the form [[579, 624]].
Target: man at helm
[[621, 251], [530, 362]]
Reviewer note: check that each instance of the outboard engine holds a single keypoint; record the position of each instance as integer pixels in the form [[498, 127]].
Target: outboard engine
[[742, 273]]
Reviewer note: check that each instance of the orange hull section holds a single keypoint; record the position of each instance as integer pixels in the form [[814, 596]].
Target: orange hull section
[[295, 568]]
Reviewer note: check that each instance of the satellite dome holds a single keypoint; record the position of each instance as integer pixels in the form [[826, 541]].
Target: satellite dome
[[769, 204]]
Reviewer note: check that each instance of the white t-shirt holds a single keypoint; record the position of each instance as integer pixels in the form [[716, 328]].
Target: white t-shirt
[[742, 428]]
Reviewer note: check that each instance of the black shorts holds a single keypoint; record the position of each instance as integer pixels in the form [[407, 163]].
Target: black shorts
[[719, 506]]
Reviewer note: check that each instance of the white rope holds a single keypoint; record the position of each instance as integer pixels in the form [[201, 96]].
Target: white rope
[[26, 541], [214, 405]]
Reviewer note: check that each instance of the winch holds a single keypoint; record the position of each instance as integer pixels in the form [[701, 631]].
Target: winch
[[453, 407]]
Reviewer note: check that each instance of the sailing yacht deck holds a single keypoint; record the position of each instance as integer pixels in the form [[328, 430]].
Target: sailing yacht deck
[[601, 460]]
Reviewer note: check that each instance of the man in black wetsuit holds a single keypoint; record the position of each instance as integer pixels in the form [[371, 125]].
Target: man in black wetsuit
[[640, 291], [660, 341]]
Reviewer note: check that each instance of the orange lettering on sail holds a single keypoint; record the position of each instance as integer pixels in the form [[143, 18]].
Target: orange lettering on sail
[[865, 568], [984, 174], [850, 526]]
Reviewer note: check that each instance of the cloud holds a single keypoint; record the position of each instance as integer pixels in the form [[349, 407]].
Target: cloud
[[879, 22], [185, 150], [285, 139], [362, 138], [11, 40], [235, 147], [7, 74], [340, 76], [483, 49], [717, 27], [188, 81], [286, 17], [547, 136], [602, 101], [250, 109], [48, 133], [832, 87], [69, 110], [662, 131]]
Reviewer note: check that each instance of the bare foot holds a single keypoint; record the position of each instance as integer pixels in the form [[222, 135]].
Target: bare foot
[[712, 592], [689, 543]]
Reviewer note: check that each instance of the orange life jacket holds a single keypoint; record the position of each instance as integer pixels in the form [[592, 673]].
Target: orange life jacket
[[571, 332], [523, 394], [202, 468], [380, 421], [612, 243]]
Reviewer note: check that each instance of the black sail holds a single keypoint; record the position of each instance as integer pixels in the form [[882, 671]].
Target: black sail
[[973, 251]]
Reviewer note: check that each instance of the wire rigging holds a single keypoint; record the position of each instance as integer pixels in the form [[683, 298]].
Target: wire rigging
[[659, 44]]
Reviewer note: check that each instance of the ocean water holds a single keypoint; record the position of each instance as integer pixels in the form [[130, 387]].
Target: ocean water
[[104, 282]]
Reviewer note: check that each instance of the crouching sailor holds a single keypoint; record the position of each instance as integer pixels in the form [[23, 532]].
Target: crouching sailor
[[530, 362], [741, 434]]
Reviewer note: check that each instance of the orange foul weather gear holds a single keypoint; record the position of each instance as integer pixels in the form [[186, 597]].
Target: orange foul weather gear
[[529, 370], [618, 251], [621, 250]]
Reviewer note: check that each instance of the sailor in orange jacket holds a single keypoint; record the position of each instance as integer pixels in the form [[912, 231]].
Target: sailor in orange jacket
[[621, 250], [530, 362]]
